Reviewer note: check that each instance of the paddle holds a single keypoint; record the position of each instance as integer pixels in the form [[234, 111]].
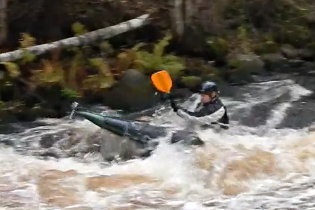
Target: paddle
[[162, 81], [74, 106]]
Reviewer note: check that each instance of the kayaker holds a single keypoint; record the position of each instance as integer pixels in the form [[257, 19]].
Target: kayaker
[[210, 112]]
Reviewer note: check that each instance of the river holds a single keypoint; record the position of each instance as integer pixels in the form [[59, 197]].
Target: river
[[264, 161]]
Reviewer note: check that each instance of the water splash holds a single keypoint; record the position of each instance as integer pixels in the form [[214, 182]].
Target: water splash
[[243, 168]]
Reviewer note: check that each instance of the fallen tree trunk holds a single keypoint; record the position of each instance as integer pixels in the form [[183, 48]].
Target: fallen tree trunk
[[84, 39]]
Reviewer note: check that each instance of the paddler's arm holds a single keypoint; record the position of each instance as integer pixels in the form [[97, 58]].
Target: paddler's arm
[[202, 117]]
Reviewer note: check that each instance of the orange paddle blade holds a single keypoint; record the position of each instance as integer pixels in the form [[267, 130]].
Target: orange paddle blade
[[162, 81]]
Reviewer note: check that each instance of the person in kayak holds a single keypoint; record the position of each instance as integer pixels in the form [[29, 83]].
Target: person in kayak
[[139, 138], [210, 112]]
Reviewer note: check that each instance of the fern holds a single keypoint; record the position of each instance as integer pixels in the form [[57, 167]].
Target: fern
[[69, 93], [191, 81], [13, 69], [28, 57], [151, 62], [27, 40], [78, 28], [161, 45], [104, 79], [51, 73], [75, 67], [126, 60]]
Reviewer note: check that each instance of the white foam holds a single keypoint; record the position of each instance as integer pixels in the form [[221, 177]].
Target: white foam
[[175, 167]]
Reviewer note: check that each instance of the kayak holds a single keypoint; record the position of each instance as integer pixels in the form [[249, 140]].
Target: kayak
[[142, 138], [138, 131]]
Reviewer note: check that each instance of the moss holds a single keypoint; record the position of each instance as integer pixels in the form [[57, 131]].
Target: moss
[[297, 35], [103, 79], [78, 28], [69, 93], [219, 47], [12, 69], [266, 44], [27, 40], [158, 59], [266, 47], [286, 22], [243, 66], [149, 62], [246, 27], [191, 81]]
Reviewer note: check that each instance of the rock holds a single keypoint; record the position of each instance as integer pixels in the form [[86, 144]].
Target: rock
[[186, 137], [191, 81], [306, 54], [289, 51], [275, 62], [310, 18], [134, 92], [295, 63], [243, 66], [267, 46], [306, 68], [311, 128], [278, 63], [6, 116], [116, 147]]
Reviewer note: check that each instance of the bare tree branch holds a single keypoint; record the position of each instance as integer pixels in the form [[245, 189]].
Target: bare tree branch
[[84, 39]]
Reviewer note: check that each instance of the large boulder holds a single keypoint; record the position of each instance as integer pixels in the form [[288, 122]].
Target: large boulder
[[134, 92], [278, 63], [275, 62], [289, 51], [243, 66]]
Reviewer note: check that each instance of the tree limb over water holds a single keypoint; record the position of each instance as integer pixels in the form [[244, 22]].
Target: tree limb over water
[[84, 39]]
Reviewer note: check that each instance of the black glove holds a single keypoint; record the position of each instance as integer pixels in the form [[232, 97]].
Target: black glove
[[173, 105], [165, 97]]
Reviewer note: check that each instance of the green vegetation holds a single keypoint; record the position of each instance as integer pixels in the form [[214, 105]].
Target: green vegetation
[[149, 62], [233, 37], [82, 72]]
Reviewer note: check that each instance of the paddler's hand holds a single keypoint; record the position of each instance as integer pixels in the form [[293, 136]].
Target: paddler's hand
[[165, 97], [173, 105]]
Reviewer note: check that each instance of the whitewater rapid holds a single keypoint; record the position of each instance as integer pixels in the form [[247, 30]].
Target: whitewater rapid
[[247, 167]]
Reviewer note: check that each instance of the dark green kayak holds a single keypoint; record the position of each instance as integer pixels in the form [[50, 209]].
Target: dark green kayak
[[134, 130]]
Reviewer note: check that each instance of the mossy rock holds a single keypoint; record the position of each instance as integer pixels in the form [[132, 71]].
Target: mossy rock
[[247, 63], [275, 61], [289, 51], [191, 81], [133, 92], [268, 46], [242, 67]]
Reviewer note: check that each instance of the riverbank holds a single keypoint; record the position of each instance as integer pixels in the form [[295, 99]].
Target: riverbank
[[237, 44]]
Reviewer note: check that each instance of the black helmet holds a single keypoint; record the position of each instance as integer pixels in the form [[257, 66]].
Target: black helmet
[[208, 86]]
